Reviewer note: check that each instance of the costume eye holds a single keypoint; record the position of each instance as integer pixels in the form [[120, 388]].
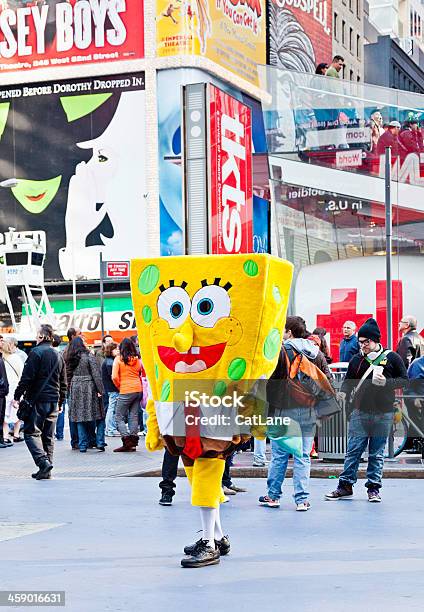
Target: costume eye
[[210, 304], [174, 306], [101, 157]]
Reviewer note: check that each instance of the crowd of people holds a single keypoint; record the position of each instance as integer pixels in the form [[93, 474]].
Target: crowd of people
[[104, 394]]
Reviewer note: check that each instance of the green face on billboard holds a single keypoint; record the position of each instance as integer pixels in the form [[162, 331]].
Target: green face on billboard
[[35, 196]]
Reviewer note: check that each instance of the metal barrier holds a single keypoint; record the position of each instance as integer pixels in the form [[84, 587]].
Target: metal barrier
[[332, 434]]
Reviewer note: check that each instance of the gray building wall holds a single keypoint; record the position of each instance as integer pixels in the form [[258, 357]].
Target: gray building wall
[[397, 70]]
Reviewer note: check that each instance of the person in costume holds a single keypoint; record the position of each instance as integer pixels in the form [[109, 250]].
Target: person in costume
[[213, 325]]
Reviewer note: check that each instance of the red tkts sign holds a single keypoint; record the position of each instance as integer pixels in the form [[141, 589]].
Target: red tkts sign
[[230, 178], [117, 269], [37, 34]]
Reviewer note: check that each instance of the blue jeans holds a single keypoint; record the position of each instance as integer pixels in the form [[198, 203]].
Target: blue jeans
[[370, 430], [60, 423], [259, 447], [301, 465], [110, 407], [85, 429]]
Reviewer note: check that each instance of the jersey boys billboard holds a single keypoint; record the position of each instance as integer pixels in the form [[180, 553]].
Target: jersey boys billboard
[[230, 150], [43, 33], [76, 148]]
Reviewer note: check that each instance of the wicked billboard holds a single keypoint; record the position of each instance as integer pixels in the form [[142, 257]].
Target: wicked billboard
[[45, 33], [76, 150]]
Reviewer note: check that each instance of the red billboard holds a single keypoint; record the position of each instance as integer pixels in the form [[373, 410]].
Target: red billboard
[[46, 33], [230, 174], [300, 34]]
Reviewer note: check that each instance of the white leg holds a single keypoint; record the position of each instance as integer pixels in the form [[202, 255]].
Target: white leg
[[207, 516], [218, 529]]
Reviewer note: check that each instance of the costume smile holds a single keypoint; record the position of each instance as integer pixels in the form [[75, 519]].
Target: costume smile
[[197, 359], [36, 198]]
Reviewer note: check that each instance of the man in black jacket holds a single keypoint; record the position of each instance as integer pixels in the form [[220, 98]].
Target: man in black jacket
[[43, 382], [4, 390], [370, 383], [411, 345]]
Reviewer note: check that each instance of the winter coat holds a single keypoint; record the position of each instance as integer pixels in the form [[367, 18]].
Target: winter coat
[[4, 384], [410, 347], [37, 369], [86, 383], [372, 398], [348, 348]]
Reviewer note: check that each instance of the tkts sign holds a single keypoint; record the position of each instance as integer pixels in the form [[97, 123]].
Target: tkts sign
[[43, 33], [230, 174]]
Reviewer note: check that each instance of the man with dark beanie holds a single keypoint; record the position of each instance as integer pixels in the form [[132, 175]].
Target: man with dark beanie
[[370, 383]]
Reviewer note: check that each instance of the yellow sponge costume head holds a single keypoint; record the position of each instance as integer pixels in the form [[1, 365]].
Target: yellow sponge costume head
[[209, 317]]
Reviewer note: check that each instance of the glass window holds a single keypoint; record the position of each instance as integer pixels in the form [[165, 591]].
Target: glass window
[[336, 26], [343, 32], [358, 46]]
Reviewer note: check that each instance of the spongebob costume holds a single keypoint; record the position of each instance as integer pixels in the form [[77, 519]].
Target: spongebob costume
[[211, 320]]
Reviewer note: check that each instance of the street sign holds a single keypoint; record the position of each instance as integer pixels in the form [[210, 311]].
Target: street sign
[[117, 269]]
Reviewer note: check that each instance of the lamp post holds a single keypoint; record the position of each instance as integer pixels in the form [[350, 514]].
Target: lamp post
[[389, 238]]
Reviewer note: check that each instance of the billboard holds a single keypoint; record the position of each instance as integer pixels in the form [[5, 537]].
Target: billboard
[[48, 33], [231, 33], [77, 150], [230, 179], [300, 34]]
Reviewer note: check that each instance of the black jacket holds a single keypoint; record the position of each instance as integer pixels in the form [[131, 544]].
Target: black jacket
[[40, 363], [4, 383], [107, 366], [372, 398], [410, 347]]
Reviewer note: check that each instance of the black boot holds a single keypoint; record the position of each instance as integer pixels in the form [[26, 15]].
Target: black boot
[[204, 555], [45, 467]]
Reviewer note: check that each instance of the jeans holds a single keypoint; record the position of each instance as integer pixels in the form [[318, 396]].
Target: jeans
[[259, 448], [127, 408], [60, 423], [110, 408], [301, 465], [169, 473], [226, 477], [39, 431], [85, 433], [370, 430]]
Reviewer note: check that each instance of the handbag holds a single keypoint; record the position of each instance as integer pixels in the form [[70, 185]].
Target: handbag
[[26, 407]]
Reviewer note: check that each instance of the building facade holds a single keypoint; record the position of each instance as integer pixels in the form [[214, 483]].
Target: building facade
[[348, 37]]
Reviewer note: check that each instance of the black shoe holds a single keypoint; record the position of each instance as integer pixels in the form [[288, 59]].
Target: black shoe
[[204, 555], [340, 492], [44, 471], [5, 443], [35, 475], [166, 499], [101, 449], [223, 546]]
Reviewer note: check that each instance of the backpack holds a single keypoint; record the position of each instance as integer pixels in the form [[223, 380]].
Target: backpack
[[306, 384]]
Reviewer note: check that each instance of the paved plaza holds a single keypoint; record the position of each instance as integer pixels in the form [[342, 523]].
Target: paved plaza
[[111, 547]]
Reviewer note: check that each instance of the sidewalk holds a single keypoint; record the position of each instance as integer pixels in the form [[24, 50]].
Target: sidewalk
[[16, 462]]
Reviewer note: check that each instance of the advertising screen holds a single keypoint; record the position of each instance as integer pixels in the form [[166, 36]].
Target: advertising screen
[[47, 33], [300, 34], [230, 150], [231, 33], [76, 150]]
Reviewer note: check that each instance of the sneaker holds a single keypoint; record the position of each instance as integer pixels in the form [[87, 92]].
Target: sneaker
[[223, 546], [236, 489], [339, 493], [228, 491], [303, 506], [260, 463], [264, 500], [166, 499], [374, 496], [204, 555]]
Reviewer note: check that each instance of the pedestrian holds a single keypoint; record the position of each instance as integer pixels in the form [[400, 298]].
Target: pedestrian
[[228, 487], [169, 475], [111, 392], [294, 332], [322, 332], [370, 383], [21, 354], [411, 137], [43, 385], [411, 344], [14, 368], [390, 138], [101, 352], [335, 67], [85, 395], [349, 345], [126, 375], [259, 453], [4, 390], [321, 68], [72, 333]]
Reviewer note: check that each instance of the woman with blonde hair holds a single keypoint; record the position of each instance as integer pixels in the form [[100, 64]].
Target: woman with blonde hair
[[14, 366]]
